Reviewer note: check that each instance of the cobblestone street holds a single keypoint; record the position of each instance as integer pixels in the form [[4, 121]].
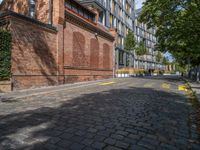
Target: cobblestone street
[[116, 114]]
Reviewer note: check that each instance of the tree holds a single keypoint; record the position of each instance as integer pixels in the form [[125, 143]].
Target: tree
[[159, 56], [129, 43], [165, 61], [141, 49], [178, 27]]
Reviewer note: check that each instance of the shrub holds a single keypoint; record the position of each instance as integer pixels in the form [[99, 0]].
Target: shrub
[[5, 55]]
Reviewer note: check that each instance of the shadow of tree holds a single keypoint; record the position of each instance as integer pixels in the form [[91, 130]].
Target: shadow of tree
[[128, 115], [36, 54]]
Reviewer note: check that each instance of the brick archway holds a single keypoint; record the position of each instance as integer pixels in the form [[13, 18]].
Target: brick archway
[[79, 57], [106, 56], [94, 53]]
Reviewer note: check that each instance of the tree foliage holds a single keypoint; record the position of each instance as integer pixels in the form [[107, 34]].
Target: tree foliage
[[141, 49], [129, 43], [159, 57], [178, 27], [165, 61], [5, 55]]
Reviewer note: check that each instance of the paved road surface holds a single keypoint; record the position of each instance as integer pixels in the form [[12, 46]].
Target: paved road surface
[[117, 114]]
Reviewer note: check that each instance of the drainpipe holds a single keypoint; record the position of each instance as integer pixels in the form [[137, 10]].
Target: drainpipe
[[114, 60], [50, 12]]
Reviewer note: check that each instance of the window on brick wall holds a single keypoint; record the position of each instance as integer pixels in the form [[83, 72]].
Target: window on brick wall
[[32, 10]]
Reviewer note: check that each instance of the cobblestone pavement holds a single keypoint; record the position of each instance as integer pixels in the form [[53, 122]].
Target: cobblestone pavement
[[120, 114]]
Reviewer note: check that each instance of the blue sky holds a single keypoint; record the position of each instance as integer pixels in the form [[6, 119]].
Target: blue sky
[[139, 3]]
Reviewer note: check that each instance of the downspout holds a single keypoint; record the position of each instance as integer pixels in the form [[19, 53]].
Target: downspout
[[50, 12], [114, 61]]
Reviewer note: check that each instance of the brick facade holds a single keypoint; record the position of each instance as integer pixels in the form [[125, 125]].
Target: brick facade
[[43, 12], [72, 49]]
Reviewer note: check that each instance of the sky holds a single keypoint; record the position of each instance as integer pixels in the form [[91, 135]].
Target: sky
[[139, 3]]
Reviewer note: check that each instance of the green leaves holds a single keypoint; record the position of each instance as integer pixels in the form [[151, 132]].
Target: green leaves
[[159, 57], [5, 55], [141, 49], [165, 61], [130, 41], [178, 27]]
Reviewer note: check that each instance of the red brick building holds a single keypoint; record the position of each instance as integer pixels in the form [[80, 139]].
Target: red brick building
[[56, 42]]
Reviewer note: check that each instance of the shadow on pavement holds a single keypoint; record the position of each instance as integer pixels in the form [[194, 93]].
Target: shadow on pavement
[[126, 118]]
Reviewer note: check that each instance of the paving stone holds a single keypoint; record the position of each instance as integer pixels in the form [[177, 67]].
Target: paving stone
[[134, 136], [122, 145], [66, 136], [168, 146], [76, 146], [110, 141], [98, 145], [151, 141], [87, 142], [89, 148], [112, 148], [147, 145], [64, 144], [80, 133], [132, 131], [100, 127], [104, 133], [50, 146], [137, 147], [129, 141], [77, 138], [124, 133], [99, 138], [89, 135], [117, 136], [54, 140], [93, 130]]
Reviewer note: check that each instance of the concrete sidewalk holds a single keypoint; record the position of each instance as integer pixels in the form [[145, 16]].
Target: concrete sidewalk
[[194, 85], [48, 89], [196, 88]]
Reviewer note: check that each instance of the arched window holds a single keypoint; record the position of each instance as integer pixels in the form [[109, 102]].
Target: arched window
[[32, 8]]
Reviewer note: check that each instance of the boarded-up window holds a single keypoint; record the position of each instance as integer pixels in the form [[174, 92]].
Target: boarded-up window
[[94, 53], [106, 56], [79, 58]]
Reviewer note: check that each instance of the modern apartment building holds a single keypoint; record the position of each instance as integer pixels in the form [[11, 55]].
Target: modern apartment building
[[119, 14], [146, 35]]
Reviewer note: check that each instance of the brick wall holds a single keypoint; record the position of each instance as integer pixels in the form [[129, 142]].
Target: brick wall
[[22, 7], [18, 6], [86, 57], [34, 55], [43, 55]]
